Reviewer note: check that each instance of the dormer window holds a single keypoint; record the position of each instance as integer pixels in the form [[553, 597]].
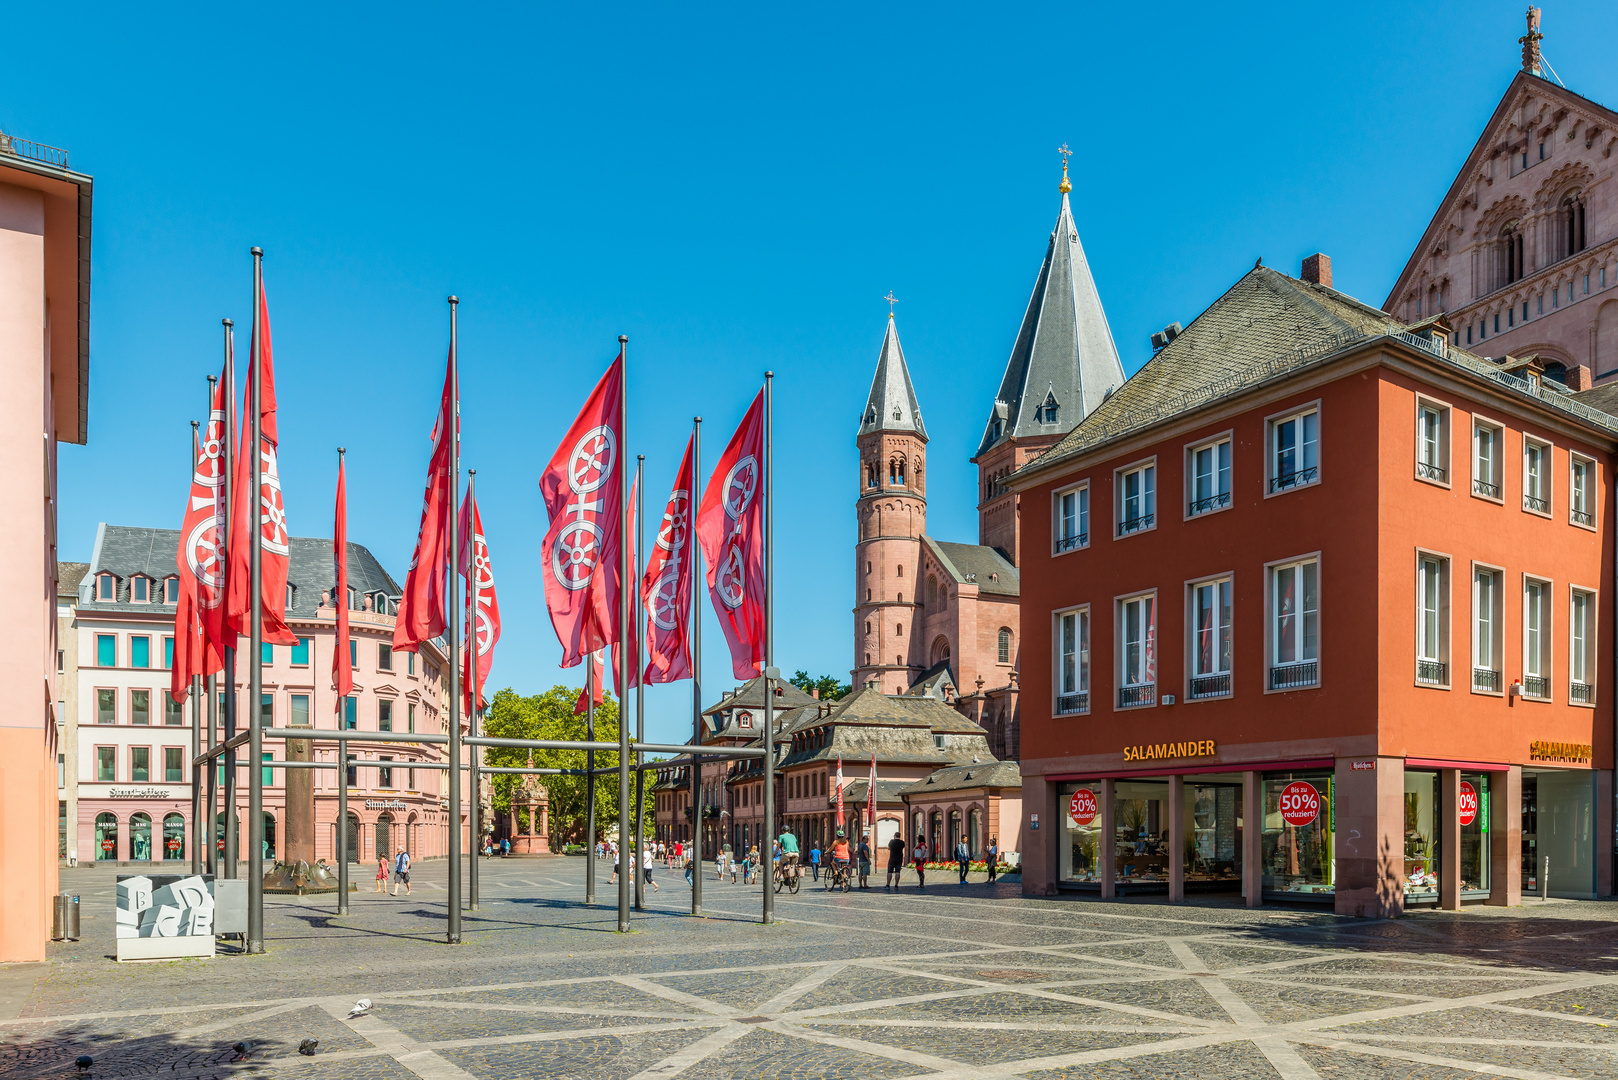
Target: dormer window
[[106, 587], [1049, 410], [292, 592], [140, 589], [997, 428], [171, 589]]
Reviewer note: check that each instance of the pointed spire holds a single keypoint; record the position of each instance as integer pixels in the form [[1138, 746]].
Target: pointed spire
[[892, 404], [1064, 361]]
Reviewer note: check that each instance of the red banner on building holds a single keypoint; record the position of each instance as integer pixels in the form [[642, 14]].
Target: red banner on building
[[665, 588], [730, 527]]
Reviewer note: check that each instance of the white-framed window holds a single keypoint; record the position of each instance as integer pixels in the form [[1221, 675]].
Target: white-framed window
[[1294, 442], [1487, 638], [1536, 477], [1137, 651], [1432, 441], [1294, 629], [1073, 661], [1137, 498], [1208, 476], [1211, 639], [1581, 491], [1536, 646], [106, 588], [171, 589], [140, 589], [1581, 652], [1071, 512], [1432, 619], [1486, 459]]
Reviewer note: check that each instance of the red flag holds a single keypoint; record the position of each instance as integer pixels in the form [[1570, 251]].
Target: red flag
[[730, 527], [665, 588], [260, 516], [342, 668], [187, 660], [839, 791], [421, 608], [486, 632], [634, 623], [201, 558], [581, 488], [870, 798], [586, 698]]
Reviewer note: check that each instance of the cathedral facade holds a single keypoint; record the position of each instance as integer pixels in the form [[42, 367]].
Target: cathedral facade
[[938, 617]]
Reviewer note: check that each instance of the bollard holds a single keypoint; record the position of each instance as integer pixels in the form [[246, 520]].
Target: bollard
[[58, 917], [1545, 881]]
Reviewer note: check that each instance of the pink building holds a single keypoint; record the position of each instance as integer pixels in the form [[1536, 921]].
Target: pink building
[[133, 789], [44, 387]]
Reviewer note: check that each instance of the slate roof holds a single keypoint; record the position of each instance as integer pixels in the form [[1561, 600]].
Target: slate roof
[[750, 696], [988, 774], [1604, 397], [125, 551], [899, 729], [987, 567], [891, 405], [1064, 348]]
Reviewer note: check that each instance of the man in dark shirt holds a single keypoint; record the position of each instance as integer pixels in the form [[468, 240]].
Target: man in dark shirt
[[896, 862]]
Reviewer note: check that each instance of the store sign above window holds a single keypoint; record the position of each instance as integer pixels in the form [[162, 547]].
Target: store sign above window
[[385, 804], [1559, 751], [1165, 751], [137, 793]]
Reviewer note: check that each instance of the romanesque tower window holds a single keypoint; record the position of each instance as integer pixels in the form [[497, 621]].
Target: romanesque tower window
[[1571, 218], [1005, 645], [899, 629], [1511, 241]]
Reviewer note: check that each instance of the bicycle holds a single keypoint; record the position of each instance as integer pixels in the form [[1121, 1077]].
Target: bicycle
[[838, 876], [788, 875]]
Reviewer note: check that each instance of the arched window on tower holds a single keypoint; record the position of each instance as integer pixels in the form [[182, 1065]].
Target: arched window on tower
[[867, 626], [899, 628], [1511, 252], [1005, 645], [932, 589], [1571, 217], [870, 474]]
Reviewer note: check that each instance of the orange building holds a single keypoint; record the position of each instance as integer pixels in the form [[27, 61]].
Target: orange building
[[1319, 619]]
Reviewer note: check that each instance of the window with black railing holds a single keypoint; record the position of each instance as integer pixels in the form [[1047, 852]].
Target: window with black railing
[[1294, 479], [1069, 704], [1582, 692], [1583, 517], [1131, 696], [1486, 489], [1536, 686], [1136, 524], [1432, 472], [1207, 686], [1212, 502], [1538, 506], [1486, 679], [1435, 672], [1292, 676], [1068, 543]]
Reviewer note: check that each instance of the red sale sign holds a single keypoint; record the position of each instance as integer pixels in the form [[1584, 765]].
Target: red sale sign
[[1300, 803], [1082, 807], [1469, 804]]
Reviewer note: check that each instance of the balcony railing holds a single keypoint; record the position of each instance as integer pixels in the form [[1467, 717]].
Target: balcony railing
[[1538, 506], [33, 151], [1215, 685], [1432, 472], [1536, 686], [1136, 524], [1582, 692], [1292, 676], [1068, 543], [1212, 502], [1486, 679], [1131, 696], [1583, 517], [1070, 704], [1295, 479], [1435, 672], [1486, 489]]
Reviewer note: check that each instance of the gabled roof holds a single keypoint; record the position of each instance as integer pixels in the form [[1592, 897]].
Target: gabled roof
[[891, 404], [68, 576], [988, 774], [751, 695], [986, 567], [1064, 348]]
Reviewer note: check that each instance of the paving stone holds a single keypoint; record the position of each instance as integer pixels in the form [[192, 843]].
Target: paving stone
[[864, 984], [1223, 1060], [1597, 1001], [986, 1046], [1483, 1024], [1285, 1004], [1557, 1061], [768, 1055], [738, 990], [1182, 997]]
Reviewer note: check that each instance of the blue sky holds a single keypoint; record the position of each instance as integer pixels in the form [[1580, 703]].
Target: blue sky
[[735, 188]]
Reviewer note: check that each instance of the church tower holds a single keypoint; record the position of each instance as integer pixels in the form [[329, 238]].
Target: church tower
[[892, 513], [1063, 364]]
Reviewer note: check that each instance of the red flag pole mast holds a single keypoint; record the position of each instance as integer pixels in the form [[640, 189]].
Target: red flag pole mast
[[255, 725], [203, 828], [196, 688], [232, 422], [696, 663], [471, 661], [623, 635], [339, 603], [640, 683], [453, 935], [769, 672]]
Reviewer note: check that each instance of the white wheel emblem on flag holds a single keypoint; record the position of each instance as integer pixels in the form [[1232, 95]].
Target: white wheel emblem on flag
[[740, 485], [593, 458], [202, 555], [210, 471], [731, 582], [480, 561], [485, 629], [665, 596], [576, 554], [671, 533], [272, 516]]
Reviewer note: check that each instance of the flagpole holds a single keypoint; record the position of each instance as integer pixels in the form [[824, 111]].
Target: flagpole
[[453, 935], [590, 779], [232, 421], [770, 674], [640, 689], [196, 682], [623, 635], [471, 647], [342, 747], [255, 576], [696, 662], [202, 830]]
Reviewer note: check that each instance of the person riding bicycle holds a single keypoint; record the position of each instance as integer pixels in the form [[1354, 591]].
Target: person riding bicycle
[[839, 853], [787, 849]]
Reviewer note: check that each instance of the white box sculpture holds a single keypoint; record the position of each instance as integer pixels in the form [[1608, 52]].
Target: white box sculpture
[[165, 916]]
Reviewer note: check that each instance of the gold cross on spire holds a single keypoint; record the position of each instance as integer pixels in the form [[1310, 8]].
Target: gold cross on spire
[[1065, 186], [891, 299]]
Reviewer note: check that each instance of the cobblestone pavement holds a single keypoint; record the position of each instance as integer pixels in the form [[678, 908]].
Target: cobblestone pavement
[[959, 982]]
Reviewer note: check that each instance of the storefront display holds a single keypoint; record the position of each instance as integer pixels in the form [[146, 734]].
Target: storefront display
[[1141, 847], [1299, 837], [1212, 836], [1422, 837], [1558, 823], [1079, 858], [1472, 807]]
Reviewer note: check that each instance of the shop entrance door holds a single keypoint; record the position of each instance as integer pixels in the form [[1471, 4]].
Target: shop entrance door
[[1558, 823]]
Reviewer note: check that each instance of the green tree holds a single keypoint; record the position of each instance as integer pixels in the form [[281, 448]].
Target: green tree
[[550, 716], [828, 685]]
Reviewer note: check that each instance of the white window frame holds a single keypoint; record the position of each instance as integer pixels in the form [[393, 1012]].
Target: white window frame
[[1582, 654], [1193, 624], [1272, 425], [1144, 691], [171, 589], [1496, 628], [145, 584], [1432, 464], [1146, 468], [1498, 432], [1080, 687], [1538, 662], [1272, 634], [1546, 472], [1433, 612], [1219, 500], [1081, 519], [1586, 493]]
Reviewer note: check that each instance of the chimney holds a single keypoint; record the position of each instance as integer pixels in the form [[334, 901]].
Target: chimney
[[1317, 269], [1578, 378], [814, 692]]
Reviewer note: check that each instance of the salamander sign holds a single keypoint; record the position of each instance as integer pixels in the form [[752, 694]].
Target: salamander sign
[[1559, 751], [1165, 751]]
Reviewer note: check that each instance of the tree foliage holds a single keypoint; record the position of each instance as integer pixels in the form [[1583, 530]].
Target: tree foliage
[[828, 685]]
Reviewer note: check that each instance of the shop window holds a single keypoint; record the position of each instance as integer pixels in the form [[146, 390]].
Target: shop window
[[140, 764], [140, 837], [107, 650], [1581, 648], [1558, 811], [1211, 639], [173, 712], [1295, 450], [1432, 620], [1487, 624], [1073, 661], [300, 653], [1536, 486], [1294, 629], [1209, 477], [1299, 849], [1432, 442], [173, 837], [140, 707], [384, 715], [140, 650], [173, 764], [1536, 659], [1137, 652], [1423, 837], [1072, 516], [1137, 498], [106, 837], [1581, 491]]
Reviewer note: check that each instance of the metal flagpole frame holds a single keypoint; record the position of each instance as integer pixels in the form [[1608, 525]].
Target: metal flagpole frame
[[255, 575], [197, 702], [697, 808], [590, 782], [337, 712], [640, 690], [623, 636], [206, 833], [453, 934], [471, 646], [232, 424], [770, 674]]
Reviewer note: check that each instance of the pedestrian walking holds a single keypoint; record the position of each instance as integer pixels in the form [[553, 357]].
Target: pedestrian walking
[[401, 872], [920, 859], [814, 860], [991, 855], [963, 856], [896, 862], [614, 879], [689, 869], [646, 866], [381, 873], [864, 856]]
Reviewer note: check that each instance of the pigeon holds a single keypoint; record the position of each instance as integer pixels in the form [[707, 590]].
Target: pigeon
[[361, 1007], [307, 1047], [243, 1049], [84, 1061]]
